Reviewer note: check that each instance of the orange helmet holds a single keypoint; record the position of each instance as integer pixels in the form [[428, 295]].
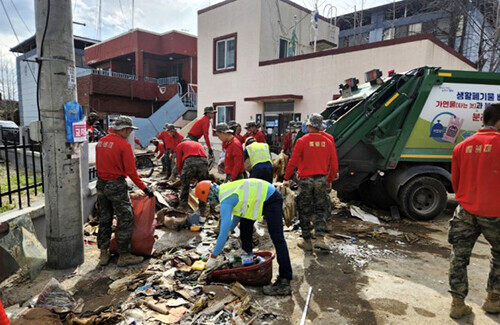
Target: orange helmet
[[202, 189]]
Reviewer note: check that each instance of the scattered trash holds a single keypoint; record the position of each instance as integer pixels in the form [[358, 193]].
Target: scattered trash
[[365, 216], [54, 298]]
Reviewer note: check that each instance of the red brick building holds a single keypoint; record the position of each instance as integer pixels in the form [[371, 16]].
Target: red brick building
[[137, 72]]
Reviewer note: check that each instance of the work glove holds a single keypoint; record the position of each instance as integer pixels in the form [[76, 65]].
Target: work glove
[[148, 192], [210, 152], [214, 262]]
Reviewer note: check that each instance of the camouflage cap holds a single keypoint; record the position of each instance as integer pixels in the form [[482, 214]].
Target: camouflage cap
[[250, 124], [223, 128], [232, 124], [208, 109], [123, 122], [316, 121]]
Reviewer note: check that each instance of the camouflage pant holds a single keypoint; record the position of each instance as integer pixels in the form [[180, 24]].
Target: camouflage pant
[[312, 203], [112, 197], [194, 168], [464, 230], [166, 163]]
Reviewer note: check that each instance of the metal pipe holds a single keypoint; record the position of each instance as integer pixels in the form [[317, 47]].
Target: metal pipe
[[7, 167], [304, 314], [17, 179], [26, 176]]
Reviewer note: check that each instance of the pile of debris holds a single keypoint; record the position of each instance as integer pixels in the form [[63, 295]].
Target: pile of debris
[[174, 286]]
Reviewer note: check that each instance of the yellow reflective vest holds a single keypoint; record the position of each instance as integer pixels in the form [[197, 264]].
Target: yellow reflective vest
[[252, 193], [258, 153]]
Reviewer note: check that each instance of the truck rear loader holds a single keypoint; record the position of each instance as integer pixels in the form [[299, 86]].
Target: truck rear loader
[[395, 146]]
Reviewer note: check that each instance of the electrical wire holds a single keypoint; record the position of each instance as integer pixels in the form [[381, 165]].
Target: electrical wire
[[123, 14], [15, 8], [40, 59], [15, 34]]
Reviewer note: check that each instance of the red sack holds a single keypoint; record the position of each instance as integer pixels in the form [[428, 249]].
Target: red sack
[[3, 317], [144, 227]]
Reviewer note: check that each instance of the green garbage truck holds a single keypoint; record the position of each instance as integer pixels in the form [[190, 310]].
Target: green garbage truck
[[394, 146]]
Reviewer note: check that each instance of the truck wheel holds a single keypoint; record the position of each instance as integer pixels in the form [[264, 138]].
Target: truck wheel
[[423, 198]]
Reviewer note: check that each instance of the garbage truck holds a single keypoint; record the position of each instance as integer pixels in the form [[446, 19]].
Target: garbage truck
[[395, 146]]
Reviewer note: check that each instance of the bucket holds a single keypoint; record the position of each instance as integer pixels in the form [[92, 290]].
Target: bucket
[[253, 275]]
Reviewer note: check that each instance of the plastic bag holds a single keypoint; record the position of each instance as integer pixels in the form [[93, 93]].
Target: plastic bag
[[144, 227], [55, 298]]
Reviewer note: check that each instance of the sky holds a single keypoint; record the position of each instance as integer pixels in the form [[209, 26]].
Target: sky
[[154, 15]]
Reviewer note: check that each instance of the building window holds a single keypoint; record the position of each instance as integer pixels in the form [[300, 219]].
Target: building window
[[283, 51], [414, 29], [225, 53], [225, 113]]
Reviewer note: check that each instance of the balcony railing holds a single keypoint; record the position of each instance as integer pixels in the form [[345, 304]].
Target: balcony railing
[[167, 81]]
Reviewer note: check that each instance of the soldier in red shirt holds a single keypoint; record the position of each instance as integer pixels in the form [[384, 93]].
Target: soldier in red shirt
[[160, 149], [171, 145], [475, 173], [316, 158], [286, 148], [254, 132], [92, 120], [234, 160], [201, 128], [236, 127], [114, 162], [192, 164]]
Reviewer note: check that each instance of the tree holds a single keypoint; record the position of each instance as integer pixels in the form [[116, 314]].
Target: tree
[[8, 89]]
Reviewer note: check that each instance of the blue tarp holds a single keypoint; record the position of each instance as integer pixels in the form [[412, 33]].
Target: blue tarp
[[149, 127]]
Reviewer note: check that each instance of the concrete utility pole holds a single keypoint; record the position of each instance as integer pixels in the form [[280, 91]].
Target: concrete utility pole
[[61, 162]]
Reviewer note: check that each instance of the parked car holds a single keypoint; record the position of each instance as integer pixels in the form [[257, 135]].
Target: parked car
[[9, 133]]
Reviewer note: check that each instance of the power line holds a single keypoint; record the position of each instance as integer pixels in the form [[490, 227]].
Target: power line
[[123, 14], [10, 22], [20, 16], [17, 38]]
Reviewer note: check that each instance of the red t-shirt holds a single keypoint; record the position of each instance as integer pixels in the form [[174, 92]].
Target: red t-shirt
[[475, 173], [172, 141], [313, 154], [160, 148], [234, 161], [240, 138], [201, 127], [288, 141], [164, 136], [115, 159], [258, 136], [186, 149]]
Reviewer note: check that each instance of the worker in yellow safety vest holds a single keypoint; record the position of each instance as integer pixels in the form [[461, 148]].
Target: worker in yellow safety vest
[[244, 202], [260, 159]]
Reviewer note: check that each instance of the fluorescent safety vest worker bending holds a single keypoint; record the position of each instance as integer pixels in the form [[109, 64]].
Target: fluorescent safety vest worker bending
[[243, 202]]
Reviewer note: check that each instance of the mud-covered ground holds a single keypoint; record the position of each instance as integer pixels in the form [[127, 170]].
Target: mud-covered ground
[[393, 273]]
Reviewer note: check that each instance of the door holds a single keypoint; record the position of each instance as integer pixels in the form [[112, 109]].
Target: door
[[277, 116]]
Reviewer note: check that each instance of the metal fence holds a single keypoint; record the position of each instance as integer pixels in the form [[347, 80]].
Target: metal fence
[[167, 81], [19, 161]]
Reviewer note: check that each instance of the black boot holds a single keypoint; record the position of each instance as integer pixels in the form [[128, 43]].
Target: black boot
[[281, 287]]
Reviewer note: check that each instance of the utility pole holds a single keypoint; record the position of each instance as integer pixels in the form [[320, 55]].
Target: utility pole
[[61, 161]]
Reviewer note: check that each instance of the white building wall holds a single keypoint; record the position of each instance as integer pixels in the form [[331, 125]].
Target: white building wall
[[28, 111], [27, 80], [316, 79], [277, 21]]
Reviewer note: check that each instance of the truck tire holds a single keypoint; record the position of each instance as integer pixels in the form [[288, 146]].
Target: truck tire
[[422, 198]]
